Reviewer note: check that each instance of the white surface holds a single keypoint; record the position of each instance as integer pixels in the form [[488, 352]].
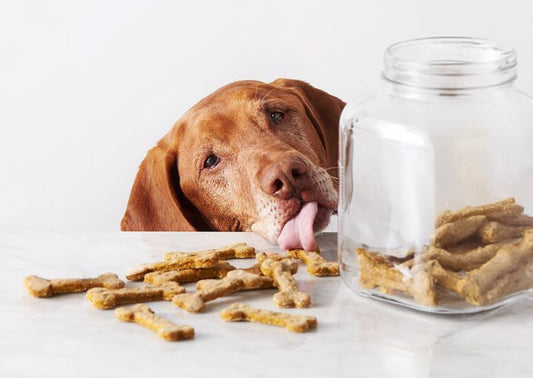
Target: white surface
[[87, 87], [65, 336]]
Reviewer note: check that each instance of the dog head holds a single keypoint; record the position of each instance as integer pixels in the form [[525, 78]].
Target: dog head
[[250, 157]]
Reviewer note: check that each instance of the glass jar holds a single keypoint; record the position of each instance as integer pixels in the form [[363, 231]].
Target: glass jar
[[436, 179]]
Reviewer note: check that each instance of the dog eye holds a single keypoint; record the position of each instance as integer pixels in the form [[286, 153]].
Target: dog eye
[[277, 117], [211, 161]]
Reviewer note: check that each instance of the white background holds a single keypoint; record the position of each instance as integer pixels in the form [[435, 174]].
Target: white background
[[87, 87]]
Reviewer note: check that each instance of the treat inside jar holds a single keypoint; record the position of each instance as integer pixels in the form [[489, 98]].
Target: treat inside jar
[[478, 255]]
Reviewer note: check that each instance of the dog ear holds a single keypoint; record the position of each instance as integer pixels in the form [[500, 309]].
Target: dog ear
[[323, 109], [156, 202]]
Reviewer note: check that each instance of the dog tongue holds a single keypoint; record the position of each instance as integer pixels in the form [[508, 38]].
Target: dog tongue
[[298, 231]]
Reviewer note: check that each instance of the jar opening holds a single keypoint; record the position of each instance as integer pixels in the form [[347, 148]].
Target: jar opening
[[449, 63]]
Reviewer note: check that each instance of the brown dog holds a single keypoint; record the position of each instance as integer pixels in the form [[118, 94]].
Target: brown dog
[[250, 157]]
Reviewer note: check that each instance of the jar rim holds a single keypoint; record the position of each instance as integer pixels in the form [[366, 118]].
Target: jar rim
[[450, 62]]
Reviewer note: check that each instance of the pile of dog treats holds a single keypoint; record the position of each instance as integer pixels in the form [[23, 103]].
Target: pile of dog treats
[[478, 254], [214, 278]]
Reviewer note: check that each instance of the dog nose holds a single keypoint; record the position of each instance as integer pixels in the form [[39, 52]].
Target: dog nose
[[283, 178]]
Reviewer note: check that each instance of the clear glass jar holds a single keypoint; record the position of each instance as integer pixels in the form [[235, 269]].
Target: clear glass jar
[[437, 179]]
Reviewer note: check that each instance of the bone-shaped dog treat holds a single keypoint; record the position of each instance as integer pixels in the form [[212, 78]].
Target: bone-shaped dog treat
[[294, 323], [235, 280], [316, 264], [452, 233], [189, 275], [520, 279], [288, 259], [493, 232], [144, 316], [234, 251], [109, 298], [493, 211], [250, 281], [509, 269], [464, 261], [289, 295], [42, 288], [376, 272], [507, 259], [443, 277], [262, 256], [184, 260], [518, 220], [255, 269], [481, 253]]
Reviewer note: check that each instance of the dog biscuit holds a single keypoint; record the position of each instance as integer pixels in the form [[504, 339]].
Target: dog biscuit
[[518, 220], [234, 251], [505, 261], [189, 275], [489, 283], [466, 260], [144, 316], [262, 256], [493, 232], [482, 254], [520, 279], [289, 295], [376, 272], [294, 323], [236, 280], [187, 260], [441, 276], [316, 264], [250, 281], [452, 233], [493, 211], [255, 269], [43, 288], [109, 298]]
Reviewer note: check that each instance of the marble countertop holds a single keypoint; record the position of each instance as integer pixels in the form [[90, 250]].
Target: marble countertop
[[65, 336]]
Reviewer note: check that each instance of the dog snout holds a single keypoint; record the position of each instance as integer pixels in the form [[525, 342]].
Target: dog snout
[[283, 179]]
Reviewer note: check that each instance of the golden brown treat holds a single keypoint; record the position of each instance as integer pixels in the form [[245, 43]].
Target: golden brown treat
[[289, 295], [184, 260], [452, 233], [262, 256], [109, 298], [144, 316], [505, 261], [441, 276], [234, 251], [189, 275], [255, 269], [294, 323], [316, 264], [291, 262], [422, 288], [376, 272], [492, 211], [519, 220], [493, 232], [43, 288], [236, 280], [520, 279], [481, 253], [461, 261], [250, 281]]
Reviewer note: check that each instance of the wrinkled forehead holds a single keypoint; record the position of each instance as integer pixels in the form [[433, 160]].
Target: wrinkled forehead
[[236, 106]]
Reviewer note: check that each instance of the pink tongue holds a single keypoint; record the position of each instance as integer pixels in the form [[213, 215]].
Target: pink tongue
[[298, 231]]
